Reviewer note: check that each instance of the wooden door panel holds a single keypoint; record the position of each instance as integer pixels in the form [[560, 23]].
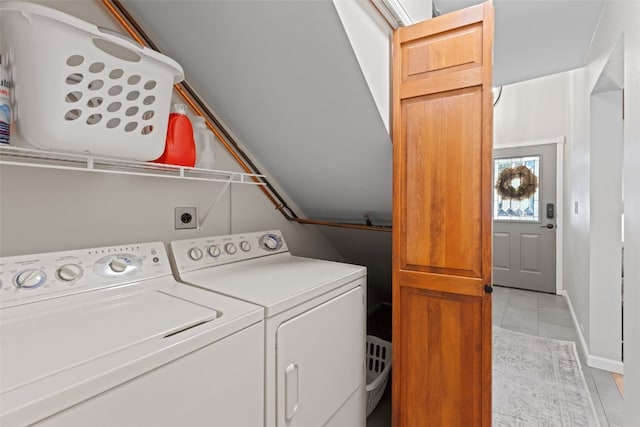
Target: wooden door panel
[[442, 136], [442, 282], [441, 224], [448, 321], [466, 78], [451, 51]]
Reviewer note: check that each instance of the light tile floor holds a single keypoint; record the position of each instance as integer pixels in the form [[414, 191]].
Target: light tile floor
[[546, 316]]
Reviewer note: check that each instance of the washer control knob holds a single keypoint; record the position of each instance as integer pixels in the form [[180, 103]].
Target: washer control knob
[[214, 251], [245, 246], [30, 279], [230, 248], [69, 272], [195, 254], [118, 265], [270, 242]]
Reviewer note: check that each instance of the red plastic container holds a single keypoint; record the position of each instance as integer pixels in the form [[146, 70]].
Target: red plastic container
[[180, 148]]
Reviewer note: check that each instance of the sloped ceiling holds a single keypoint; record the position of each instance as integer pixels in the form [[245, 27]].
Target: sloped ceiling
[[284, 79], [536, 38]]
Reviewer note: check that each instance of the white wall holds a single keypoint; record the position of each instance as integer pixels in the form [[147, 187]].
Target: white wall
[[46, 210], [632, 212], [531, 110], [589, 167], [577, 217], [618, 18], [593, 181], [607, 139]]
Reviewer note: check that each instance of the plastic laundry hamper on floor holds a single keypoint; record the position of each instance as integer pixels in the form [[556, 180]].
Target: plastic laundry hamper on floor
[[378, 366], [81, 88]]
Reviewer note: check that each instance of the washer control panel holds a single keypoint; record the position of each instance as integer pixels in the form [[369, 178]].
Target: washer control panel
[[28, 278], [194, 254]]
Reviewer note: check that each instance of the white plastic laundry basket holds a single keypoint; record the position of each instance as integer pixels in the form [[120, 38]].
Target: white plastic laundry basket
[[378, 367], [81, 88]]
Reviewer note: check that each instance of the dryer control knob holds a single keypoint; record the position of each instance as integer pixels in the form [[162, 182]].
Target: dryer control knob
[[270, 242], [230, 248], [69, 272], [118, 265], [245, 246], [214, 251], [30, 279], [195, 254]]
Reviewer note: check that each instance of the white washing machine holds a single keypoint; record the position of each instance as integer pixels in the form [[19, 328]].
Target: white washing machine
[[107, 337], [314, 327]]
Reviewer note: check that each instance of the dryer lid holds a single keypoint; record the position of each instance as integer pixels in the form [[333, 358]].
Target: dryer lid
[[277, 282], [53, 338]]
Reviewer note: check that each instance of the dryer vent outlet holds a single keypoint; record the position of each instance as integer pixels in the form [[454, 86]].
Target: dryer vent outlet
[[185, 218]]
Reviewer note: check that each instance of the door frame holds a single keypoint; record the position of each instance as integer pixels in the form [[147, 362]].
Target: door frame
[[559, 141], [442, 263]]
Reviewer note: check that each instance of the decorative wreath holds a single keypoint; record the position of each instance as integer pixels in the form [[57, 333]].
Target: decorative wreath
[[528, 183]]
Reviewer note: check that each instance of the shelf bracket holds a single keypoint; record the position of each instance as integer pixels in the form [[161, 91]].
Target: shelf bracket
[[204, 217]]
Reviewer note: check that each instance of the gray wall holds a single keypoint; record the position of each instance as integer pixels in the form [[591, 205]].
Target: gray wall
[[371, 249], [284, 78], [46, 210]]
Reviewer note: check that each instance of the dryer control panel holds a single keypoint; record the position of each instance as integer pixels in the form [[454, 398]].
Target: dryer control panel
[[29, 278], [194, 254]]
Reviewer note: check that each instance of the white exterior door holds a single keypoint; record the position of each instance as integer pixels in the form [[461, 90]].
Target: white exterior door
[[320, 362], [524, 218]]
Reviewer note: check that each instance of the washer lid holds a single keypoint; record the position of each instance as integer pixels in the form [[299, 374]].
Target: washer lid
[[276, 282], [50, 339]]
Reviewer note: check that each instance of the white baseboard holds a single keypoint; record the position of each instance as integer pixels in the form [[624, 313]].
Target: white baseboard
[[605, 364], [583, 343], [593, 361]]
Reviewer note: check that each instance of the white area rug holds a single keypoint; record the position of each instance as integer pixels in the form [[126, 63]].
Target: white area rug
[[538, 382]]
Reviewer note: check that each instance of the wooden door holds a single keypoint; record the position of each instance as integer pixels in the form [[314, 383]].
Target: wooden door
[[524, 231], [442, 136]]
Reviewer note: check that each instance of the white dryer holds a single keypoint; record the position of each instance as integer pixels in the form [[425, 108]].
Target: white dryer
[[314, 329], [107, 337]]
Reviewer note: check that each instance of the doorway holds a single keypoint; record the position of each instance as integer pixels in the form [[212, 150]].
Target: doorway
[[524, 218]]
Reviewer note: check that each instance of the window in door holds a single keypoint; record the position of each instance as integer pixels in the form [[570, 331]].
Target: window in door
[[516, 189]]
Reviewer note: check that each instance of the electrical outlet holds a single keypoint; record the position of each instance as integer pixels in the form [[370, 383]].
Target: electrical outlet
[[186, 218]]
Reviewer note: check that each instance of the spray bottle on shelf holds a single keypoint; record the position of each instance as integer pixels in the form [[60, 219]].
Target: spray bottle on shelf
[[204, 140], [5, 103], [180, 148]]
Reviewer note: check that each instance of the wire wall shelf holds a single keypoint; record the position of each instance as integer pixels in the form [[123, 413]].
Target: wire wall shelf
[[18, 156]]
